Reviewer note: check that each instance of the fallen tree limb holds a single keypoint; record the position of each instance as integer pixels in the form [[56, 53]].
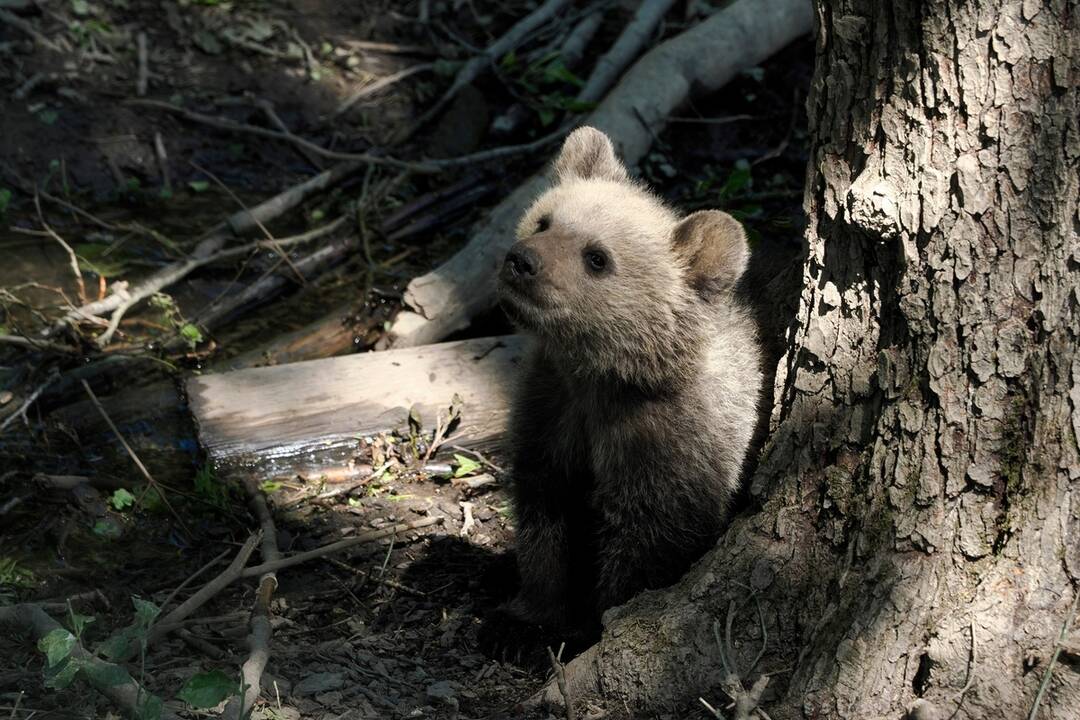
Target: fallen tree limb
[[128, 696], [266, 287], [627, 47], [701, 60], [292, 419], [251, 671]]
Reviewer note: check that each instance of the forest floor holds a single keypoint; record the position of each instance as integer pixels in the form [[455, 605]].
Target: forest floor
[[392, 628]]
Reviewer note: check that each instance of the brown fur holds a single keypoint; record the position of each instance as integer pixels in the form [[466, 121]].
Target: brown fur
[[638, 400]]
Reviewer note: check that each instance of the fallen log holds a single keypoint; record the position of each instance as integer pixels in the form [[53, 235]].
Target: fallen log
[[298, 418], [699, 61]]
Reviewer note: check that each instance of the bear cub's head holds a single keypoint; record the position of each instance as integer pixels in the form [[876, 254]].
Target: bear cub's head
[[603, 267]]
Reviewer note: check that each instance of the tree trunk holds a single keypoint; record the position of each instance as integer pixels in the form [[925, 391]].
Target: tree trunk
[[916, 530]]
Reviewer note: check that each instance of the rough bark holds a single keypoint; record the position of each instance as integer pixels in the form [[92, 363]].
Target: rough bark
[[917, 519]]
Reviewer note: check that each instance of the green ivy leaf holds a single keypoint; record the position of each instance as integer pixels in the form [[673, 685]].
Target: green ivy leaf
[[116, 646], [57, 645], [145, 613], [122, 499], [465, 466], [206, 690], [61, 676]]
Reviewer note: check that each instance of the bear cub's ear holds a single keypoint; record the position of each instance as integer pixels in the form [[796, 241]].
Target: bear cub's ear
[[588, 154], [713, 245]]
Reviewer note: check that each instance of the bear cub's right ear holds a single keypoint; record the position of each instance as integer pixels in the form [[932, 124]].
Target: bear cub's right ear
[[588, 154], [713, 245]]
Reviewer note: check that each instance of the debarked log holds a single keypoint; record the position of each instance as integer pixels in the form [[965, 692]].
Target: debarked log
[[300, 417]]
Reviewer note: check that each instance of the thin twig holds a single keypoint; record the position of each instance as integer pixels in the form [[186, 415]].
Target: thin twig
[[258, 223], [222, 580], [191, 578], [340, 545], [186, 267], [560, 679], [135, 458], [21, 412], [471, 70], [970, 673], [143, 77], [17, 22], [479, 456], [74, 261], [420, 166], [1065, 626], [261, 632], [382, 83], [163, 163]]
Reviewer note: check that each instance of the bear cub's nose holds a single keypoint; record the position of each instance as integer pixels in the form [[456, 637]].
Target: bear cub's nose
[[522, 264]]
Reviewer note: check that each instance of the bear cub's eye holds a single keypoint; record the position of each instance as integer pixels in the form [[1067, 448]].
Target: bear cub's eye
[[543, 223], [596, 260]]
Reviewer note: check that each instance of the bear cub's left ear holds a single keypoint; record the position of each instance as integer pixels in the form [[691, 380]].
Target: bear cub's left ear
[[713, 245]]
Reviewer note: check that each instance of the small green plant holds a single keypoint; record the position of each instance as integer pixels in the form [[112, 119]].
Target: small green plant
[[5, 201], [67, 661], [545, 85], [189, 333], [12, 575], [199, 186], [465, 466], [122, 499], [207, 690], [210, 488]]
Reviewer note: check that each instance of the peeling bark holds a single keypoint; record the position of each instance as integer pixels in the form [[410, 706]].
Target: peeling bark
[[920, 491]]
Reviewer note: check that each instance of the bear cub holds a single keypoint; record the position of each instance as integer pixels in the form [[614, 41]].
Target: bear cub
[[639, 395]]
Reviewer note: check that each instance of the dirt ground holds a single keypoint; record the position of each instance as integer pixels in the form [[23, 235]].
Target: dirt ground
[[394, 628]]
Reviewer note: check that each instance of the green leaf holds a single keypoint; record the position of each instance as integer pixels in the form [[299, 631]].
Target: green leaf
[[145, 612], [206, 690], [80, 7], [78, 621], [121, 499], [269, 487], [465, 466], [191, 334], [57, 645], [736, 181], [106, 674], [149, 708], [557, 72], [547, 116], [107, 528], [199, 186], [509, 61], [49, 117], [115, 647], [5, 201], [61, 676]]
